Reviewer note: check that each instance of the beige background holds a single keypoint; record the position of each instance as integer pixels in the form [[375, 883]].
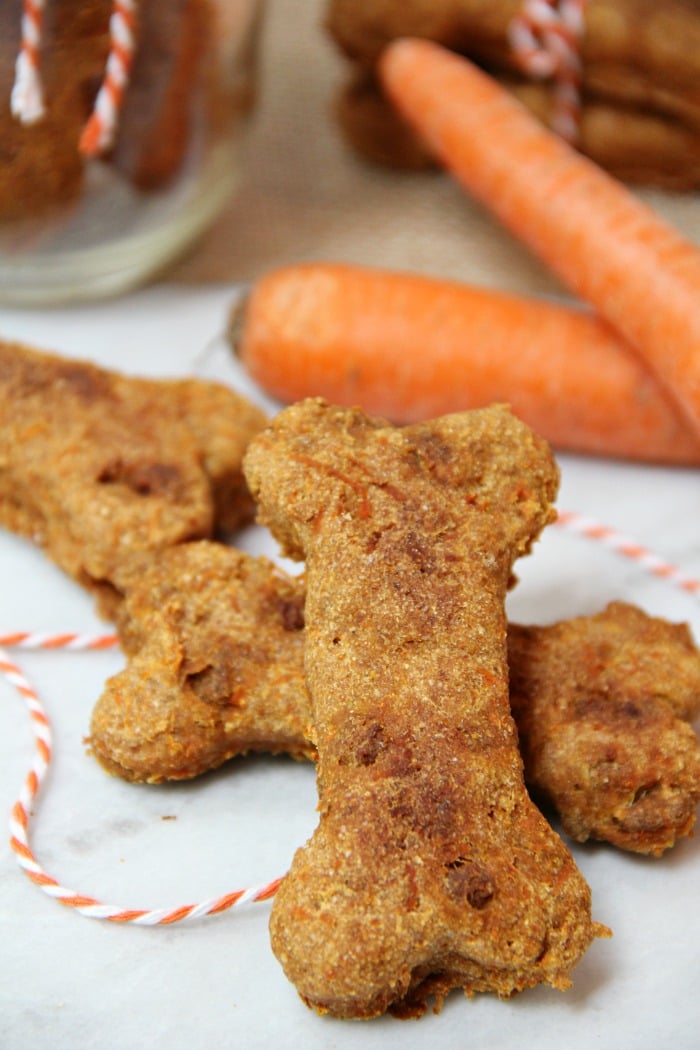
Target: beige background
[[304, 196]]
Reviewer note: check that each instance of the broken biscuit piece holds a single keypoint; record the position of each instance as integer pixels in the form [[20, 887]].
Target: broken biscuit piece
[[214, 639], [430, 868], [97, 466], [603, 706]]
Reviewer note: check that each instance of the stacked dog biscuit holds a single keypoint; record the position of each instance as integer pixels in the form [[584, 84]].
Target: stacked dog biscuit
[[390, 663], [639, 108]]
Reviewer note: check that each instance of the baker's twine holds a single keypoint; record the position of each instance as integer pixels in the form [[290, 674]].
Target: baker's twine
[[545, 37], [75, 642], [22, 809], [628, 548], [99, 132], [27, 97]]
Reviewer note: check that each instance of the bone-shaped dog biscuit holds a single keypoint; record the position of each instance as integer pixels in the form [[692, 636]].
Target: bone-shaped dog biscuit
[[96, 466], [603, 706], [430, 868], [602, 703], [215, 668]]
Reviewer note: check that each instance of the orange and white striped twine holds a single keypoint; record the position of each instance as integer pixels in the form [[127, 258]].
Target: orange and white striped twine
[[98, 134], [629, 548], [46, 640], [545, 37], [27, 99], [70, 641], [22, 809]]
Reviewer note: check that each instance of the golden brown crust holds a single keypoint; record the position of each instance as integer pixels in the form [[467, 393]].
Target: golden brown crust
[[603, 706], [214, 639], [430, 868], [222, 424], [98, 466], [602, 703]]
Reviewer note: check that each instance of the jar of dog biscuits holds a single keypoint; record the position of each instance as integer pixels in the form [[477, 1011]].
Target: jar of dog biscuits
[[121, 129]]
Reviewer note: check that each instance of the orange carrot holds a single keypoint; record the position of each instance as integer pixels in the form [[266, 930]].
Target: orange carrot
[[409, 347], [602, 241]]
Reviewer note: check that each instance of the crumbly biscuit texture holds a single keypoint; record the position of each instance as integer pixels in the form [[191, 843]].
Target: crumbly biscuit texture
[[617, 764], [430, 868], [214, 639], [98, 467], [603, 706]]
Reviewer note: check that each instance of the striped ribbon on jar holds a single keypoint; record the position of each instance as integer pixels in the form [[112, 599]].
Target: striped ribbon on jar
[[27, 98]]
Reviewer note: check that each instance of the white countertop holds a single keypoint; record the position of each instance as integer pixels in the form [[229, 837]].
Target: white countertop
[[69, 981]]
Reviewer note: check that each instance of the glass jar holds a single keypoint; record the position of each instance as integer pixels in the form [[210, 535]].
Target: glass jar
[[121, 125]]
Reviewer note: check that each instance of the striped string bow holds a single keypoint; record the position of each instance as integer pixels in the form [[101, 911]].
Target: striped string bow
[[545, 37]]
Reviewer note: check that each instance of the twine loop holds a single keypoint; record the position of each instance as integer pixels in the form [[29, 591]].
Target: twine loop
[[22, 810]]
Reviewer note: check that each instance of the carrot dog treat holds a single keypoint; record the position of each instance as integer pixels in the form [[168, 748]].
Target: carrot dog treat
[[214, 638], [603, 706], [240, 621], [221, 423], [430, 868], [98, 466]]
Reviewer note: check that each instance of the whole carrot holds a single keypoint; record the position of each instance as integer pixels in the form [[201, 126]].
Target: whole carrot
[[602, 241], [409, 347]]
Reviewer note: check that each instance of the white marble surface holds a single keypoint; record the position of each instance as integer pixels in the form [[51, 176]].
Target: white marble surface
[[67, 981]]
